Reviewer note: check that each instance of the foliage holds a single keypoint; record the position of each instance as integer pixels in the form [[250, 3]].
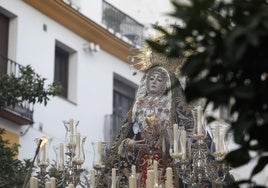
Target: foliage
[[59, 175], [224, 44], [29, 86], [12, 170], [15, 90]]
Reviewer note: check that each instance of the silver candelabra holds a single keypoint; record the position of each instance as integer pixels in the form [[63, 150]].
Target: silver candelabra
[[70, 156], [199, 157]]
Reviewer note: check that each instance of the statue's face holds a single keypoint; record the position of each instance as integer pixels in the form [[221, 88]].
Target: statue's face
[[156, 82]]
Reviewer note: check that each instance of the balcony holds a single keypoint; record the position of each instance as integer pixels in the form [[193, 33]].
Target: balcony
[[19, 114], [122, 24]]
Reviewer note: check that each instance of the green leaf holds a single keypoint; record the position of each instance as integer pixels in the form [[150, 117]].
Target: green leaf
[[29, 86], [238, 157], [244, 92], [240, 128], [233, 54], [262, 162], [156, 46]]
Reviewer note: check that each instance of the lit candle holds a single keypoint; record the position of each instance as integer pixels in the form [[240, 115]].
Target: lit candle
[[221, 142], [71, 185], [199, 121], [35, 182], [53, 182], [32, 182], [92, 178], [99, 152], [169, 175], [78, 137], [71, 126], [71, 129], [133, 173], [150, 178], [155, 172], [183, 144], [175, 135], [61, 155], [47, 185], [217, 138], [113, 178], [133, 170], [43, 150], [132, 182]]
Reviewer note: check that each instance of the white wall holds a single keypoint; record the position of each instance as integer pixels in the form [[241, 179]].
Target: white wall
[[29, 44], [94, 85], [146, 12]]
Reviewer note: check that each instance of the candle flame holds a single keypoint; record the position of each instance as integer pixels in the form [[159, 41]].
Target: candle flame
[[44, 141]]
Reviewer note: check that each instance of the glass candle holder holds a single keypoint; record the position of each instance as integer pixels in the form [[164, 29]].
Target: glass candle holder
[[59, 152], [182, 144], [70, 135], [43, 155], [199, 131], [219, 146], [100, 154], [79, 157]]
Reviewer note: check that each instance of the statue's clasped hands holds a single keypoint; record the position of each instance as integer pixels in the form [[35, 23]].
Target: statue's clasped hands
[[135, 143]]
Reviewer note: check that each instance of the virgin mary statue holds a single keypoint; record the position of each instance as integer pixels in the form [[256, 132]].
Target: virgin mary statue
[[146, 134]]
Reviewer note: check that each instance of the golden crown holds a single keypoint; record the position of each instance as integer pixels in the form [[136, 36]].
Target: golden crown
[[148, 58]]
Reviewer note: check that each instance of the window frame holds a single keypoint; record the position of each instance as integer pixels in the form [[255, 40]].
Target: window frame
[[123, 90], [61, 69], [4, 34]]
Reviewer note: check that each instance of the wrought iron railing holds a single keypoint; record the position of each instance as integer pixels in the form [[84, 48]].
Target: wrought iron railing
[[8, 66], [121, 23], [75, 4]]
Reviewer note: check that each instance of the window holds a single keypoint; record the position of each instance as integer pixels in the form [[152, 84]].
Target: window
[[123, 97], [65, 70], [61, 69], [4, 25]]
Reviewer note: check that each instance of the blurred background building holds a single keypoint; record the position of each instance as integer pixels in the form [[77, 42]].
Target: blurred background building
[[85, 45]]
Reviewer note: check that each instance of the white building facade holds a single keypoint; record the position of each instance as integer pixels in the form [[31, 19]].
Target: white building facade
[[96, 58], [97, 63]]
